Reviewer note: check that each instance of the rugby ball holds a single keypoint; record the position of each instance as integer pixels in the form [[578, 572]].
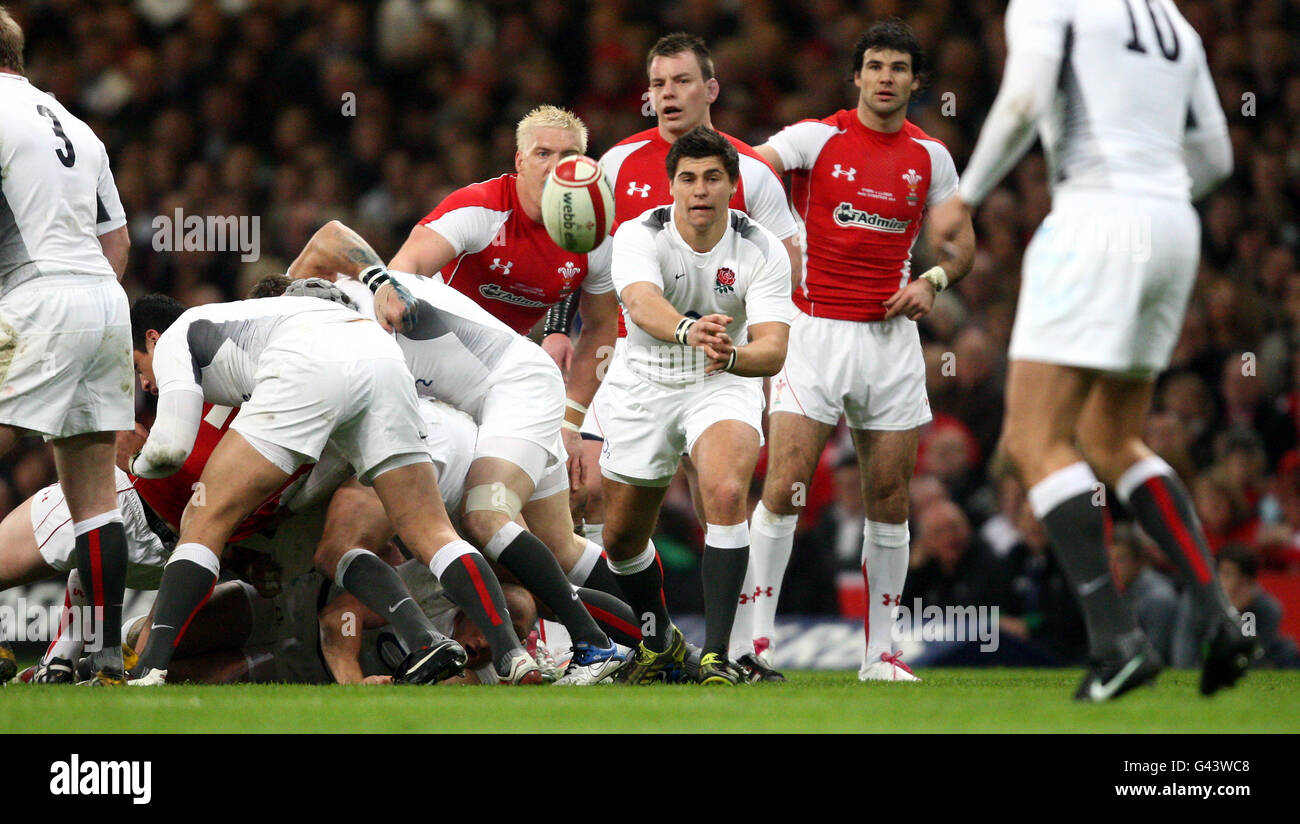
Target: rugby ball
[[577, 204]]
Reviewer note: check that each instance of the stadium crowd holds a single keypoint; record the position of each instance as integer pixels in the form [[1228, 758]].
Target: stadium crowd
[[302, 111]]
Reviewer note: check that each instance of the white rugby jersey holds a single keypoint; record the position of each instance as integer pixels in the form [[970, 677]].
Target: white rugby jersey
[[56, 191], [1124, 82], [746, 276], [456, 345], [214, 349]]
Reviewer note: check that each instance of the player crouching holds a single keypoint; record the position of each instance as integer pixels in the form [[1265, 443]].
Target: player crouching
[[706, 296]]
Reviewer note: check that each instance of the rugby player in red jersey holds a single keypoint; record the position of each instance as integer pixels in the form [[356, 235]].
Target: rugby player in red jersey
[[863, 180]]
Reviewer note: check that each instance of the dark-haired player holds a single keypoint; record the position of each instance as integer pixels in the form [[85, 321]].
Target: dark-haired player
[[706, 292], [1123, 99], [863, 179]]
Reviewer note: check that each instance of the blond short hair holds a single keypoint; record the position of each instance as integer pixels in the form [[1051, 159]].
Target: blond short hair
[[550, 117], [11, 43]]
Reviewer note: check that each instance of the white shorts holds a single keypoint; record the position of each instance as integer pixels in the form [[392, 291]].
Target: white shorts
[[526, 403], [648, 425], [52, 528], [65, 357], [872, 373], [366, 406], [1106, 281], [590, 429]]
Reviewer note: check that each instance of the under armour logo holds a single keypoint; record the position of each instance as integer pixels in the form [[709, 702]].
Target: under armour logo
[[504, 267], [892, 600], [633, 189], [568, 270], [849, 173]]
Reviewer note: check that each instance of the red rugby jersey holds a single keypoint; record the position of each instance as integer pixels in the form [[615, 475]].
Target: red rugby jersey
[[861, 196], [168, 496], [505, 261], [637, 169]]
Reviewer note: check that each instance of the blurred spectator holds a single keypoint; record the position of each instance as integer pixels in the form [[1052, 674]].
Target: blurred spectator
[[1148, 593], [1041, 606], [949, 567], [1238, 567]]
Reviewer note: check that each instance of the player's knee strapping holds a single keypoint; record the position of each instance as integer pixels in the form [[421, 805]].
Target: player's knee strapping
[[494, 497]]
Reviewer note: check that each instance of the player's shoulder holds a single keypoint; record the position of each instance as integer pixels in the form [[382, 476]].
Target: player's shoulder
[[496, 194], [643, 143], [918, 134], [751, 232]]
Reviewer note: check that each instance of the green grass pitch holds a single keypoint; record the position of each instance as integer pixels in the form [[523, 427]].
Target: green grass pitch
[[950, 700]]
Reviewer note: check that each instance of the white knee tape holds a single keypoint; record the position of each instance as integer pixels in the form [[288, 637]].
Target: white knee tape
[[494, 497]]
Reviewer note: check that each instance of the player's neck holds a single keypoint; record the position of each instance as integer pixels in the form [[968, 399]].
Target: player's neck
[[671, 138], [700, 240], [876, 123], [532, 206]]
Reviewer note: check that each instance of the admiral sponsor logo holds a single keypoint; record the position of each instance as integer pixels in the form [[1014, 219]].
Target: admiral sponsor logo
[[77, 777], [495, 292], [847, 215]]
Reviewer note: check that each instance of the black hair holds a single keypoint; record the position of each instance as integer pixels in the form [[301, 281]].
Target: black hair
[[679, 42], [704, 142], [271, 286], [157, 312], [1243, 556], [894, 35]]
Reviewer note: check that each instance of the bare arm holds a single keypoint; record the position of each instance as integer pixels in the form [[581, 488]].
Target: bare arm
[[341, 622], [762, 357], [333, 250], [769, 154], [651, 311], [425, 252], [116, 244], [955, 250], [596, 340]]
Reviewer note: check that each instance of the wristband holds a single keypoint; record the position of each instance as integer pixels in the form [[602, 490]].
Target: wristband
[[574, 405], [683, 329], [937, 276], [559, 318], [374, 277], [731, 360], [571, 426]]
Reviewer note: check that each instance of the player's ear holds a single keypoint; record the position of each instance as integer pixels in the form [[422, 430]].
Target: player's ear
[[152, 336], [519, 161], [711, 86]]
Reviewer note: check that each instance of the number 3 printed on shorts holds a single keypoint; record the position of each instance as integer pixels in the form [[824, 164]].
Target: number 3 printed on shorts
[[67, 155]]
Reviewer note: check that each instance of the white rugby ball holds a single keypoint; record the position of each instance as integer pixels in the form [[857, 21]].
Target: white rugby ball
[[577, 204]]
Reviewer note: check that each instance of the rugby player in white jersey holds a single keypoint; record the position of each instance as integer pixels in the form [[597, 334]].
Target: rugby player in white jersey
[[1121, 94], [706, 296], [65, 339], [461, 354], [304, 372]]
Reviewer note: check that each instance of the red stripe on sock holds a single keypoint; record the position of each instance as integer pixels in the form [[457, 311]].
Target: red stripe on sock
[[1107, 526], [96, 569], [181, 634], [64, 618], [1179, 529], [612, 620], [481, 587], [866, 617]]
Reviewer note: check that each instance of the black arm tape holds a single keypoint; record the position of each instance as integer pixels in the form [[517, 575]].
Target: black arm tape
[[559, 318], [374, 277]]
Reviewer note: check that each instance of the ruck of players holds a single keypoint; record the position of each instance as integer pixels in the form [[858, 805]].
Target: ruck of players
[[366, 472]]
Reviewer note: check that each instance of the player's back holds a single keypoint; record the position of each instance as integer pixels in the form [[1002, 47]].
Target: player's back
[[1127, 76], [56, 193]]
